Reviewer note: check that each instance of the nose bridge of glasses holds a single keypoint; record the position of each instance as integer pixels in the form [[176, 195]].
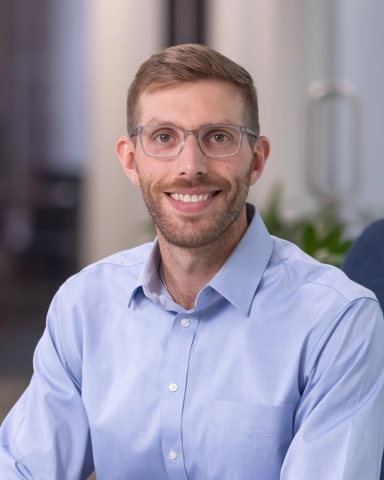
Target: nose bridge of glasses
[[194, 133], [196, 148]]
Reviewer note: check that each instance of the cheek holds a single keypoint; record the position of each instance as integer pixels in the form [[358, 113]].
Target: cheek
[[149, 179], [151, 169], [144, 170]]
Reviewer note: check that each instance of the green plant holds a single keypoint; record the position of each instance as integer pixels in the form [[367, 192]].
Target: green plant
[[322, 235]]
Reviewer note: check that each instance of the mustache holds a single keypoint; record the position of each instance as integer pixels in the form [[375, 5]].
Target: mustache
[[212, 184]]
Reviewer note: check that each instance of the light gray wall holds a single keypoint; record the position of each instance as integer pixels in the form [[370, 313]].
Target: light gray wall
[[121, 34], [361, 39], [286, 45]]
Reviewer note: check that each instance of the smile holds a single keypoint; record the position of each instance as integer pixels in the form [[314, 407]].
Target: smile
[[191, 198]]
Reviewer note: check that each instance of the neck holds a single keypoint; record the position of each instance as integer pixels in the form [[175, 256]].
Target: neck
[[187, 270]]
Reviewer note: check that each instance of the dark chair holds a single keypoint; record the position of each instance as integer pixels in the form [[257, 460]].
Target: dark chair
[[365, 265], [365, 260]]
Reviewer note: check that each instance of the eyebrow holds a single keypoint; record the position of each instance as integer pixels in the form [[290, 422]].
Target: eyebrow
[[159, 121]]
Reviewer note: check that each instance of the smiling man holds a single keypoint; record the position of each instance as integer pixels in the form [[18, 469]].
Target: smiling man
[[195, 162], [217, 351]]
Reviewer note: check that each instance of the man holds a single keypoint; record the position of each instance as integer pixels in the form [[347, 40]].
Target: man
[[216, 352]]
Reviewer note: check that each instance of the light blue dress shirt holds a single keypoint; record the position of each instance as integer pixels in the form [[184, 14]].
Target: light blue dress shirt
[[277, 373]]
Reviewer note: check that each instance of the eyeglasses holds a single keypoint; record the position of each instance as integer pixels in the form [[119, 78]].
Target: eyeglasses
[[166, 141]]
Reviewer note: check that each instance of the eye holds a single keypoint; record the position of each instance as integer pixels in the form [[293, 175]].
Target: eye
[[163, 138], [164, 135], [218, 138], [216, 135]]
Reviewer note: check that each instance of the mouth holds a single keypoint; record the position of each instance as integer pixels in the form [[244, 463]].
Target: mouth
[[187, 198]]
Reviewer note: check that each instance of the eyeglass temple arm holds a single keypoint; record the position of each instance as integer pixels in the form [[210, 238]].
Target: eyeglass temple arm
[[251, 132]]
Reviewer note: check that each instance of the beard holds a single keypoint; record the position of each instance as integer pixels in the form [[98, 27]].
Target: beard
[[196, 231]]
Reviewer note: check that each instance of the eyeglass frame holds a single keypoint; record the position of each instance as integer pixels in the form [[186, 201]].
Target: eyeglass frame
[[137, 131]]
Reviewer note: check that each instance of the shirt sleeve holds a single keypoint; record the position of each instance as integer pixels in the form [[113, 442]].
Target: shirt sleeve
[[339, 422], [46, 434]]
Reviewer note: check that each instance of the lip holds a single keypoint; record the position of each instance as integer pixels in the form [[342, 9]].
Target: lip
[[193, 208], [192, 191]]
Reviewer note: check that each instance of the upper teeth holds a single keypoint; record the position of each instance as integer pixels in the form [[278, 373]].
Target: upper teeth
[[190, 198]]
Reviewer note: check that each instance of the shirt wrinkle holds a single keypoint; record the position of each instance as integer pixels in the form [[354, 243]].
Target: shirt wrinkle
[[369, 294], [170, 394]]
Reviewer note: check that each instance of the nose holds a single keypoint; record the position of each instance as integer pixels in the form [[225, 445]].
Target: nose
[[191, 160]]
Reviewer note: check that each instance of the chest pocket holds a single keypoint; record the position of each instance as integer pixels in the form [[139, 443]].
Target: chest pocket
[[246, 441]]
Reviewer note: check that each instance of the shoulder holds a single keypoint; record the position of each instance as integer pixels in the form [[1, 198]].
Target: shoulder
[[113, 274], [316, 304], [300, 271], [88, 299], [127, 260]]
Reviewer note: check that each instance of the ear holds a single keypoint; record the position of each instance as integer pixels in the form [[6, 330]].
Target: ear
[[261, 152], [126, 152]]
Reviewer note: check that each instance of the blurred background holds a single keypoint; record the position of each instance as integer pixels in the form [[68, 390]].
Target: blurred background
[[65, 67]]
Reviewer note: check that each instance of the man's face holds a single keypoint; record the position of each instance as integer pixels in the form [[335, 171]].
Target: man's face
[[220, 184]]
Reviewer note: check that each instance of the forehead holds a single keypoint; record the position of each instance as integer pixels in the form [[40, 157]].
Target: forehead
[[193, 104]]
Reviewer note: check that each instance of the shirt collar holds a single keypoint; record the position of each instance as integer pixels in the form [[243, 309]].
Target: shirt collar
[[148, 278], [238, 278]]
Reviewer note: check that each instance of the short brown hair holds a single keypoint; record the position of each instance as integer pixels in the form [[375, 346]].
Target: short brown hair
[[190, 63]]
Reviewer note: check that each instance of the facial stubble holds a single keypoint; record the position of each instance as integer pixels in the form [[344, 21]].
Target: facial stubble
[[195, 231]]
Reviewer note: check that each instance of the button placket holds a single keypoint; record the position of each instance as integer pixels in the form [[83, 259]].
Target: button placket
[[175, 373]]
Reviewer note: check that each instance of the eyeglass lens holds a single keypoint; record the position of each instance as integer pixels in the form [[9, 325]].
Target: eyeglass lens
[[167, 141]]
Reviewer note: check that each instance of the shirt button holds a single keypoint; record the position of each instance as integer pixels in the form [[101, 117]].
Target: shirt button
[[172, 455], [185, 322], [173, 387]]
